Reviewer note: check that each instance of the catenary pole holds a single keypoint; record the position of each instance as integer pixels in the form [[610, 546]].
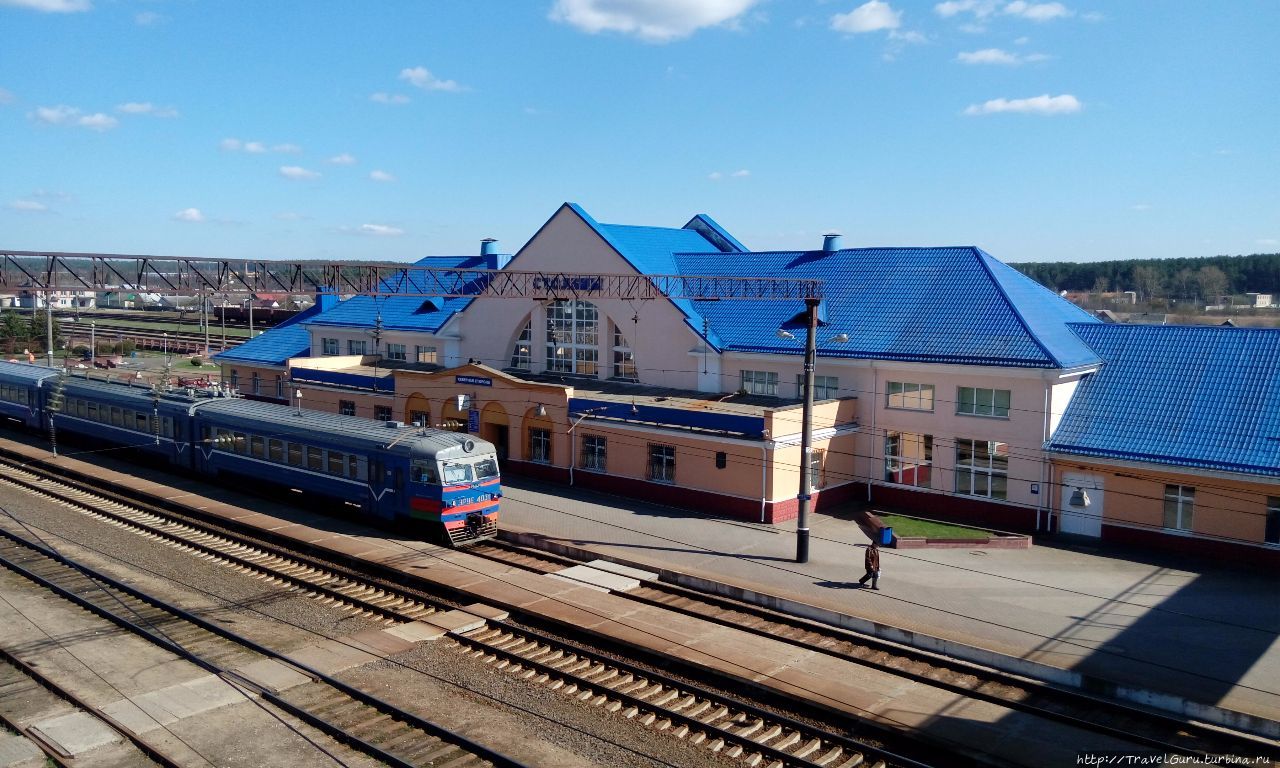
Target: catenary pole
[[806, 435]]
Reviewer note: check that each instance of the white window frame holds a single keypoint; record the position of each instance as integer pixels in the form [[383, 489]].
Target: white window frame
[[1179, 507], [329, 346], [522, 350], [911, 396], [662, 463], [357, 344], [897, 462], [573, 337], [397, 352], [425, 354], [824, 387], [984, 399], [539, 445], [982, 474], [760, 382], [595, 453]]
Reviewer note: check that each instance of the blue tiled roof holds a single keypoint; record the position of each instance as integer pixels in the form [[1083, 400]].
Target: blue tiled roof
[[1192, 396], [279, 343], [404, 313], [940, 305]]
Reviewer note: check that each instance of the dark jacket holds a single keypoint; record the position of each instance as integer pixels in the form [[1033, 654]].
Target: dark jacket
[[873, 559]]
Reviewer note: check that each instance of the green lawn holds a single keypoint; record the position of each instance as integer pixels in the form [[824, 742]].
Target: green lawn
[[913, 526]]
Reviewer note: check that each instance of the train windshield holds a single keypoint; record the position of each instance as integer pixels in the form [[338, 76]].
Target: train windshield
[[457, 473], [486, 468], [424, 472]]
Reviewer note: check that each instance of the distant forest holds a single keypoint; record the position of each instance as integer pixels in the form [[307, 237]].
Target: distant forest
[[1204, 279]]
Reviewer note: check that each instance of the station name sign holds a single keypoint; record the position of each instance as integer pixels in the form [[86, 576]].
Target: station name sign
[[565, 283], [475, 381]]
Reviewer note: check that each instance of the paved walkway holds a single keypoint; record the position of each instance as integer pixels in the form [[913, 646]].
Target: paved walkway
[[1204, 633]]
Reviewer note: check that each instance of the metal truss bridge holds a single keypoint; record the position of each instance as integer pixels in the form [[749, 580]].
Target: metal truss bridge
[[44, 272]]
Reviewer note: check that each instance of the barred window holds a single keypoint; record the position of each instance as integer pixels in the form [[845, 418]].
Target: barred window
[[539, 445], [594, 453], [347, 407], [662, 463]]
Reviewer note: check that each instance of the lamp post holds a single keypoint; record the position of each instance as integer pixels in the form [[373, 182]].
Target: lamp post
[[166, 347], [93, 344], [806, 435]]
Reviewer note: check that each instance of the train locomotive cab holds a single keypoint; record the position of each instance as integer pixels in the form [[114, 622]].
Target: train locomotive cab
[[455, 486]]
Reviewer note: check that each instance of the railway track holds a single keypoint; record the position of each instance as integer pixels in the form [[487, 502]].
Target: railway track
[[1092, 713], [676, 705], [353, 717]]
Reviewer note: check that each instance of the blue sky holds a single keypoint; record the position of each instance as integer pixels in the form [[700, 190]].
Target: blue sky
[[394, 130]]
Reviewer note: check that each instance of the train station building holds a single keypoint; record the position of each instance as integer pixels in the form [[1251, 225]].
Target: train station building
[[946, 381]]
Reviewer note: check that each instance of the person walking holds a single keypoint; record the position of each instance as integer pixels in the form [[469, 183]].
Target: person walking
[[872, 563]]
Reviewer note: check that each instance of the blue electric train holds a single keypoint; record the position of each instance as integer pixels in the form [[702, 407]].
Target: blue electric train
[[429, 483]]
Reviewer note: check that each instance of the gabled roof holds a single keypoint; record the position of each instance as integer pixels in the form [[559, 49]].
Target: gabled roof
[[1191, 396], [277, 344], [404, 313], [651, 250], [954, 305]]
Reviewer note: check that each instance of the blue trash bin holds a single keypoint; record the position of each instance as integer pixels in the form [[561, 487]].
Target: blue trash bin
[[886, 536]]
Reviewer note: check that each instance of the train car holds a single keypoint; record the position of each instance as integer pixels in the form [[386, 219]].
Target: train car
[[423, 482], [138, 416], [22, 388]]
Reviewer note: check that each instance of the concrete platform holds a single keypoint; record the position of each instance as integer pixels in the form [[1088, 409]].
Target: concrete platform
[[1008, 608], [597, 579], [74, 734], [19, 752]]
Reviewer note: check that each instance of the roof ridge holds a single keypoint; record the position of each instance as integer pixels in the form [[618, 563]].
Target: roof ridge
[[982, 257]]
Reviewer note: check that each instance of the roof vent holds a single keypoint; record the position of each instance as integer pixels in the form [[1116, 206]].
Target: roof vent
[[488, 246], [831, 242]]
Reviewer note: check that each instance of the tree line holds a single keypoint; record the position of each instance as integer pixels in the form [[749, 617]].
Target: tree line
[[1202, 279]]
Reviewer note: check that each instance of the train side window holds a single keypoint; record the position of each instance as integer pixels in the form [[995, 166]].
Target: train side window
[[353, 467], [142, 422], [168, 428], [275, 450], [256, 446], [224, 440], [336, 463], [82, 408], [295, 454], [424, 472], [117, 416], [92, 411], [315, 459], [375, 470], [239, 442], [22, 395]]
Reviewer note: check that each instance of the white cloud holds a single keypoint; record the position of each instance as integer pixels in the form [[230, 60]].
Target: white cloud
[[742, 174], [189, 214], [146, 108], [64, 115], [871, 16], [654, 21], [290, 216], [257, 147], [379, 230], [1022, 40], [230, 145], [343, 159], [979, 8], [908, 37], [28, 206], [56, 115], [1037, 11], [6, 97], [381, 176], [298, 173], [288, 149], [389, 98], [51, 6], [254, 147], [422, 78], [1037, 105], [1268, 241], [997, 56], [98, 122], [148, 19], [1140, 207], [715, 175]]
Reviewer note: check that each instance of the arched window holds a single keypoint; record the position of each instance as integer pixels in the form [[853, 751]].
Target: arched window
[[573, 337], [522, 353]]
